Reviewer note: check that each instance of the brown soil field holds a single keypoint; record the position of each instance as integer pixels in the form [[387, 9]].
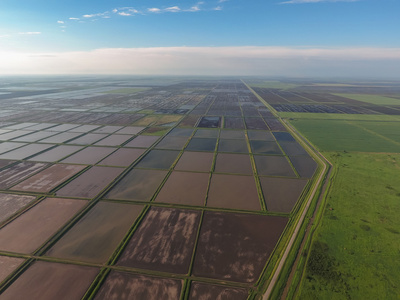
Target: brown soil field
[[90, 183], [281, 194], [184, 188], [18, 172], [164, 241], [189, 121], [235, 146], [130, 130], [26, 233], [137, 185], [89, 155], [11, 203], [49, 281], [233, 191], [172, 143], [7, 146], [95, 237], [260, 135], [202, 144], [158, 159], [233, 163], [125, 286], [56, 153], [88, 139], [304, 165], [122, 157], [61, 137], [4, 163], [25, 151], [48, 179], [8, 265], [195, 161], [235, 247], [273, 166], [113, 140], [263, 147], [233, 134], [142, 141], [203, 291]]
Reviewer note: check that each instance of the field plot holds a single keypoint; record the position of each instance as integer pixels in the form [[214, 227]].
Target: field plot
[[208, 291], [170, 192], [163, 242], [96, 235], [234, 247], [49, 281], [127, 286]]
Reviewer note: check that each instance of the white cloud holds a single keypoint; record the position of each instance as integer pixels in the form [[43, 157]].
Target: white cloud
[[60, 22], [122, 13], [30, 33], [173, 9], [314, 1], [218, 8], [154, 10], [272, 61], [74, 19]]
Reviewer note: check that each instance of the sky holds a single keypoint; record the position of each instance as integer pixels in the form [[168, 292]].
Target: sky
[[295, 38]]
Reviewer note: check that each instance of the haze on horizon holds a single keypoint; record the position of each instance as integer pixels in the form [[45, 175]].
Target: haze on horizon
[[305, 38]]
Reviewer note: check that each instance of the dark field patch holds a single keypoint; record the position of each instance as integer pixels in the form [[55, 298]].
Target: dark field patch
[[158, 159], [293, 148], [172, 143], [202, 144], [4, 163], [233, 163], [281, 194], [284, 137], [263, 147], [273, 166], [181, 132], [206, 133], [95, 237], [209, 122], [233, 134], [8, 265], [26, 233], [304, 165], [137, 185], [10, 204], [233, 123], [142, 141], [184, 188], [256, 123], [235, 247], [164, 241], [236, 146], [189, 121], [260, 135], [46, 180], [18, 172], [90, 183], [233, 191], [125, 286], [89, 155], [204, 291], [49, 281], [195, 161], [123, 157]]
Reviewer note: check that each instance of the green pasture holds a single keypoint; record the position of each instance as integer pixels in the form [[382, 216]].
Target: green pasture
[[355, 252], [343, 135], [373, 99]]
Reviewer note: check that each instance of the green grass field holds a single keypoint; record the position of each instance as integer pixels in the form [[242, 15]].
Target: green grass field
[[356, 249], [354, 253], [373, 99]]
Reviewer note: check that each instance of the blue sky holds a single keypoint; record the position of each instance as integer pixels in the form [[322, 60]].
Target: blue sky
[[59, 27]]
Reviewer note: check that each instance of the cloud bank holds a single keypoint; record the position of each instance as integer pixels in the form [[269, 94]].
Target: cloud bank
[[271, 61]]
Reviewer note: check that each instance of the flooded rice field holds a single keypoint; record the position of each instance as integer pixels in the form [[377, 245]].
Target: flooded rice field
[[170, 192]]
